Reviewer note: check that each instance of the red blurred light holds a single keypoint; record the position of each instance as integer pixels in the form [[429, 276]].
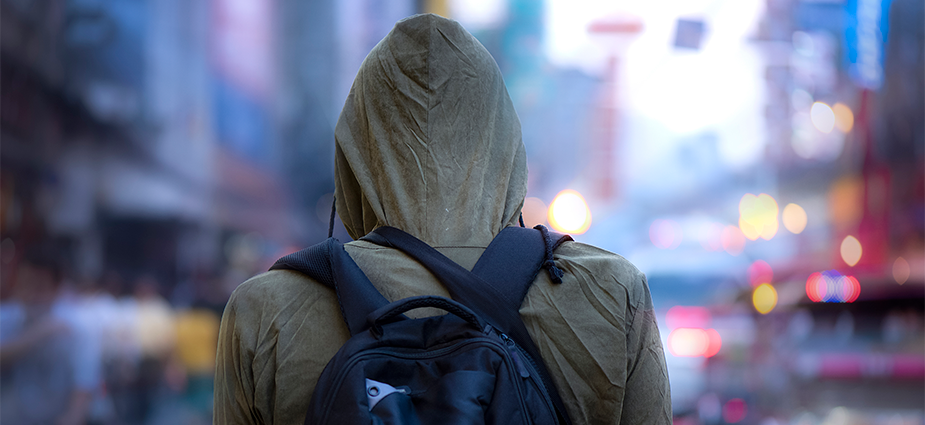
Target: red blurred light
[[687, 317], [760, 272], [715, 343], [815, 287], [831, 286], [734, 410], [852, 289]]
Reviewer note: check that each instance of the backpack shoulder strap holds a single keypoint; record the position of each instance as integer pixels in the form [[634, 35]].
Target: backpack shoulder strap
[[329, 264], [516, 259]]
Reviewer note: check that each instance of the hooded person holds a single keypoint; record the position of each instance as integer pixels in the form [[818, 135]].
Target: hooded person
[[429, 142]]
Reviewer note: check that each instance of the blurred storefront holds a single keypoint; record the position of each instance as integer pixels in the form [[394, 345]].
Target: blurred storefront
[[818, 310]]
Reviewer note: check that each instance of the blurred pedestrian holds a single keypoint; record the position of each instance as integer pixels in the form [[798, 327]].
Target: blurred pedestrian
[[155, 336], [50, 358]]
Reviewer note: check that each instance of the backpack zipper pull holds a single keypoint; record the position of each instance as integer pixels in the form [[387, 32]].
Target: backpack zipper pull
[[515, 355]]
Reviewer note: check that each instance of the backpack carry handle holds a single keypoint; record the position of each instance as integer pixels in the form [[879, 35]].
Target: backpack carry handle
[[386, 313]]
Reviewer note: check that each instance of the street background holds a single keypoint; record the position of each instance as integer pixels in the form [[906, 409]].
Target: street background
[[761, 161]]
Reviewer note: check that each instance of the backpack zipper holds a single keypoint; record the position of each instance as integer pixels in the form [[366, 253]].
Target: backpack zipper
[[422, 355], [514, 348]]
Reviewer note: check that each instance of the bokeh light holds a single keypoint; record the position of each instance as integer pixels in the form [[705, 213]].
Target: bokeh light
[[734, 410], [534, 212], [758, 216], [844, 118], [901, 270], [823, 117], [733, 240], [688, 342], [569, 213], [816, 287], [849, 289], [687, 317], [832, 287], [794, 218], [850, 250], [764, 298], [715, 342], [665, 234], [760, 272]]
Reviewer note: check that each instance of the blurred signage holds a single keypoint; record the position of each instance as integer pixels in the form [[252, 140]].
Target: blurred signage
[[241, 46], [866, 27], [860, 365], [241, 123], [241, 43], [689, 34]]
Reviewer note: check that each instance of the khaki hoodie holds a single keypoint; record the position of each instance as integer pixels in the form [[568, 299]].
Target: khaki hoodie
[[428, 142]]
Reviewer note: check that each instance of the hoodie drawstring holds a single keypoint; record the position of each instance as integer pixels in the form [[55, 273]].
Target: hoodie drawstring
[[331, 222], [555, 273]]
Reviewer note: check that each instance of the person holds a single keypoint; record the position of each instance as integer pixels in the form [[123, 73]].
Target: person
[[49, 355], [429, 142]]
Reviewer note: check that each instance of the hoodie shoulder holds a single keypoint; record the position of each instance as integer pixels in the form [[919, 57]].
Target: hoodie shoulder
[[278, 287], [604, 264]]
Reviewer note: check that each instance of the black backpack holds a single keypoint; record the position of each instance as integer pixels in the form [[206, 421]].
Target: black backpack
[[477, 365]]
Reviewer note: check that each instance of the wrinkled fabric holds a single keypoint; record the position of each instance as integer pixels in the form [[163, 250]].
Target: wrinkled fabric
[[429, 142]]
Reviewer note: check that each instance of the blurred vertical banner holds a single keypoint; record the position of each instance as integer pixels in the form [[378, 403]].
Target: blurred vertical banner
[[241, 47]]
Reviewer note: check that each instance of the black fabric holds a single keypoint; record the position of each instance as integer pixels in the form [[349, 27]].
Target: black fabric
[[331, 220], [551, 244], [452, 373], [497, 285], [455, 381], [329, 264], [390, 312]]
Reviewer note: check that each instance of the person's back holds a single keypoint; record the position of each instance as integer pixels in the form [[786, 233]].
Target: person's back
[[429, 142]]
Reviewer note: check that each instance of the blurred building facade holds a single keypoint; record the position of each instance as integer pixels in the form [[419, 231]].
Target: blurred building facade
[[832, 359], [173, 139]]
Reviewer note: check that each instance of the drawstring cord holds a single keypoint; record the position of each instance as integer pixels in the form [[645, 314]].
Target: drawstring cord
[[331, 222], [555, 273]]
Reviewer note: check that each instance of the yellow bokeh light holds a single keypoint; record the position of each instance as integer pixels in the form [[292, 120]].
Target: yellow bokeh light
[[758, 216], [764, 298], [794, 218], [822, 116], [850, 250], [846, 202], [901, 270], [569, 213], [844, 118]]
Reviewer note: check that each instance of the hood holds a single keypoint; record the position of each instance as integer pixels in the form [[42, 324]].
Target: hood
[[428, 140]]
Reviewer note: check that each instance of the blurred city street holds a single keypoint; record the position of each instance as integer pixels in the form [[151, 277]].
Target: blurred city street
[[761, 161]]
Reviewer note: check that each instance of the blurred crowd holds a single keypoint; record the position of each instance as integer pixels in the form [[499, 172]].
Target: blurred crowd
[[102, 351]]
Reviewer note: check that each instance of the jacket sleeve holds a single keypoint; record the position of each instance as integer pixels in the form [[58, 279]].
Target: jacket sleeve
[[648, 396], [234, 382]]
